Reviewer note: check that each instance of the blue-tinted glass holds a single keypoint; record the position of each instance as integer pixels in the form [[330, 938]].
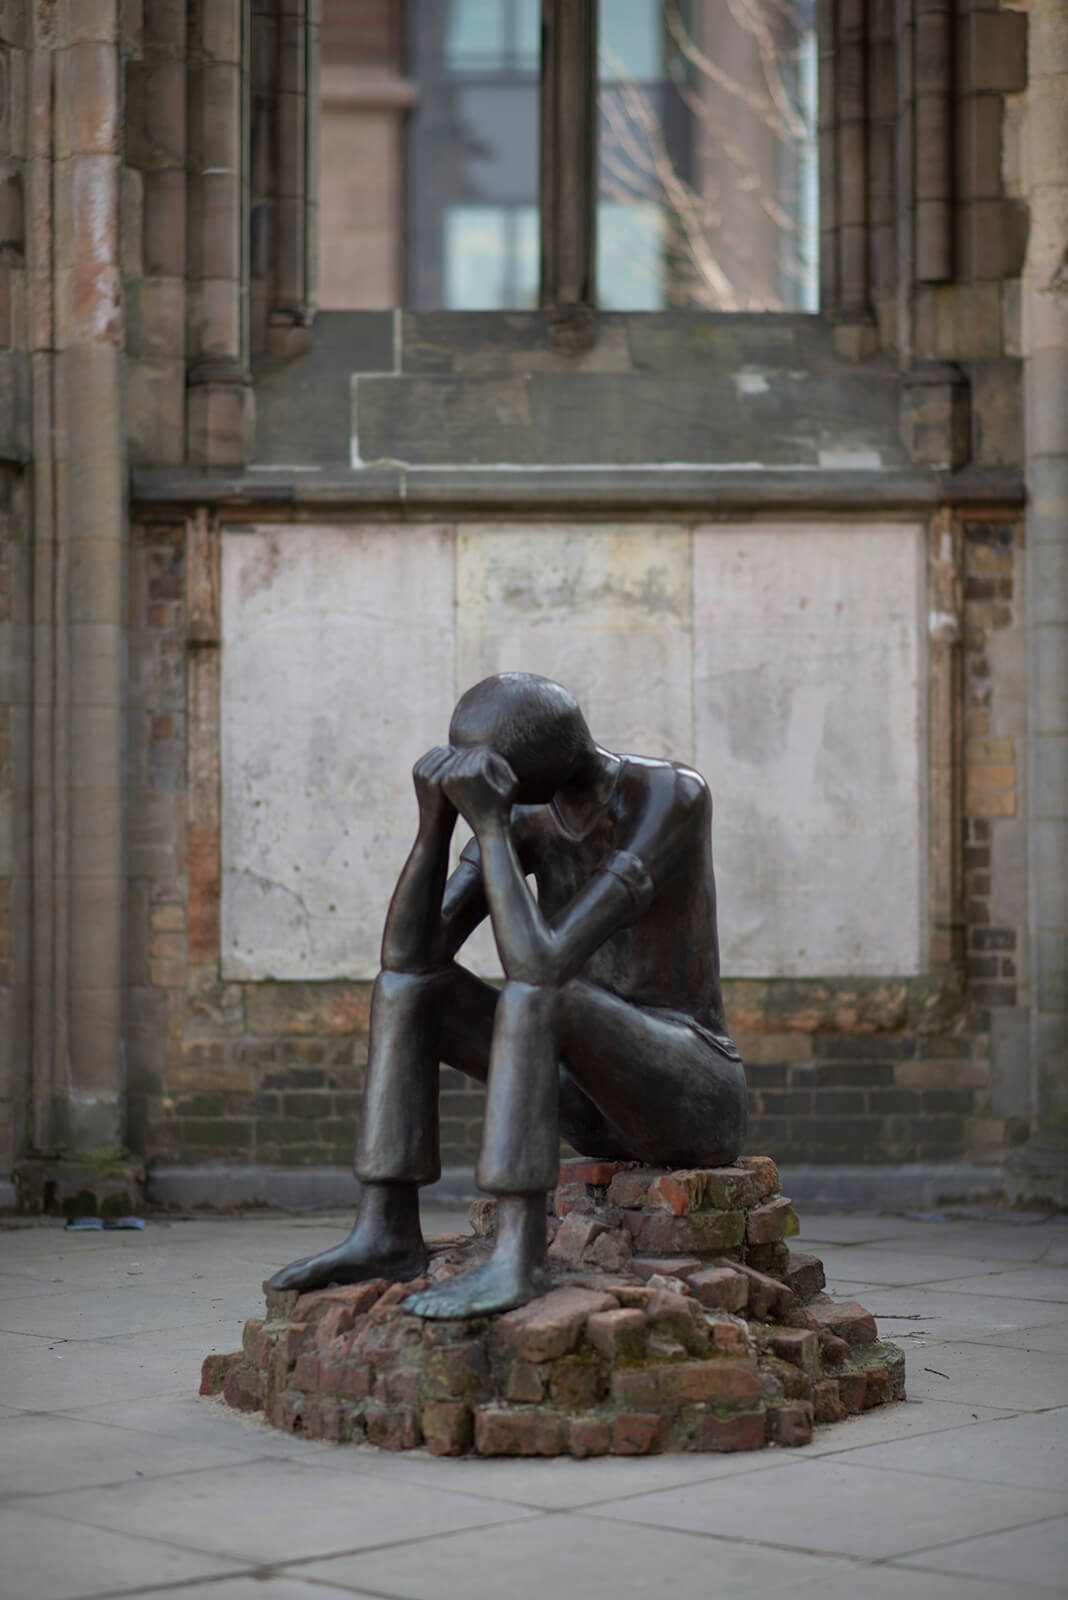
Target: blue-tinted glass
[[630, 257], [475, 35], [497, 137], [490, 258], [631, 40], [526, 20]]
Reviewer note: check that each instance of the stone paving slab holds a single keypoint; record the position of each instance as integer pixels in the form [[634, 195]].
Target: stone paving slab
[[1016, 1559]]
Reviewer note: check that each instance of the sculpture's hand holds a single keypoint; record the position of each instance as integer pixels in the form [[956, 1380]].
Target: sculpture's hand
[[436, 810], [481, 785]]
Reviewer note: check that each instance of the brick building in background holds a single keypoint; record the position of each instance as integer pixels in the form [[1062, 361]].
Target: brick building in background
[[577, 401]]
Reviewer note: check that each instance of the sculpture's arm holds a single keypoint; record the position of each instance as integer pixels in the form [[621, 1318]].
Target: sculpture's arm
[[531, 949], [412, 934]]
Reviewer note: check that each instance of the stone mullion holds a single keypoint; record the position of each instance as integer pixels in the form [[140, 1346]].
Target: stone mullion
[[854, 299], [933, 175], [220, 405], [568, 157], [828, 155], [882, 242], [293, 290], [945, 740]]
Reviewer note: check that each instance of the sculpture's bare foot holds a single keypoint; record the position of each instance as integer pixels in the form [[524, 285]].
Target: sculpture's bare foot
[[349, 1262], [386, 1242], [515, 1273], [497, 1285]]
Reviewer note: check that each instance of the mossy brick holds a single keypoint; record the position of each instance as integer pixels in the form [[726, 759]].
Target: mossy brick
[[720, 1288], [773, 1221], [577, 1382], [323, 1418], [305, 1375], [458, 1371], [732, 1188], [680, 1193], [214, 1368], [876, 1387], [659, 1233], [747, 1430], [285, 1410], [636, 1388], [833, 1350], [351, 1376], [791, 1425], [550, 1326], [772, 1259], [628, 1189], [721, 1379], [448, 1427], [244, 1387], [826, 1402], [588, 1436], [805, 1275], [252, 1341], [619, 1335], [637, 1433], [393, 1427], [507, 1431], [851, 1391], [846, 1319]]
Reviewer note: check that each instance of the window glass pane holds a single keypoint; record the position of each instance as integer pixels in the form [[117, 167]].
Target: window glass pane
[[708, 120], [475, 36], [493, 134], [630, 256], [491, 258]]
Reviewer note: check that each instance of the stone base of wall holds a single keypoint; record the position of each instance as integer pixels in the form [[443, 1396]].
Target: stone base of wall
[[678, 1320]]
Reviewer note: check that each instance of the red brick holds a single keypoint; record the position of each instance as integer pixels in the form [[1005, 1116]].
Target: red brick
[[846, 1319], [638, 1433], [583, 1169], [619, 1335], [833, 1350], [636, 1387], [570, 1197], [665, 1266], [791, 1425], [551, 1326], [356, 1297], [729, 1340], [353, 1377], [577, 1383], [401, 1386], [503, 1432], [765, 1171], [574, 1235], [628, 1189], [393, 1427], [322, 1418], [458, 1372], [799, 1346], [610, 1252], [588, 1436], [306, 1373], [827, 1402], [448, 1427], [723, 1378], [805, 1275], [253, 1342], [678, 1316], [731, 1188], [721, 1287], [746, 1431], [286, 1410], [876, 1387], [767, 1296], [771, 1222], [658, 1233], [676, 1192]]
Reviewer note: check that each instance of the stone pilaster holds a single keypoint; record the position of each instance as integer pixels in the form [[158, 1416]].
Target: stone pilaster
[[1040, 1170]]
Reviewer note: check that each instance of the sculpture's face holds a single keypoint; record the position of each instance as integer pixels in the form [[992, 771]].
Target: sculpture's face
[[533, 723], [540, 773]]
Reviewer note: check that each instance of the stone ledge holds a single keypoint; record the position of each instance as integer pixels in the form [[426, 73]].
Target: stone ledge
[[730, 1346]]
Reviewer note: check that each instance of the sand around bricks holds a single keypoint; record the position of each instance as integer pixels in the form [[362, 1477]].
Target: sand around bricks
[[678, 1320]]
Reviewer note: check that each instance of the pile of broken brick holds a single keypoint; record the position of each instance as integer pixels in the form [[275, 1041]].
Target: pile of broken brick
[[678, 1320]]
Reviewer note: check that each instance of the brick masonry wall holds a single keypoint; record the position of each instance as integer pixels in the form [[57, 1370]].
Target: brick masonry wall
[[892, 1070]]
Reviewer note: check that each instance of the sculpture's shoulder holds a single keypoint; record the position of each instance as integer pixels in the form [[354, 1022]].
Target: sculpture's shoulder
[[670, 785]]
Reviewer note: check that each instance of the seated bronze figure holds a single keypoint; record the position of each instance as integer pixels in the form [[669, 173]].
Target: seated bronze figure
[[609, 1028]]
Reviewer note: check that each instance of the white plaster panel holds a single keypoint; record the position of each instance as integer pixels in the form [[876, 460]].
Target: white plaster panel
[[337, 673], [810, 727], [604, 610]]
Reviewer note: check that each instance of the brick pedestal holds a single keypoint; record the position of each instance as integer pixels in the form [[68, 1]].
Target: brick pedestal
[[678, 1319]]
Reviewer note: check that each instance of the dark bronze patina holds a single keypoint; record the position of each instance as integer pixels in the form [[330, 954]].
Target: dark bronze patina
[[609, 1027]]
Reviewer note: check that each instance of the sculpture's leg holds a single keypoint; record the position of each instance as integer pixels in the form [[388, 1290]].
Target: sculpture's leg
[[398, 1149], [519, 1162]]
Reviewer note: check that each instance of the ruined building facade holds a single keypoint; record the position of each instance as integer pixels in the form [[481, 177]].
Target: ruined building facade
[[251, 550]]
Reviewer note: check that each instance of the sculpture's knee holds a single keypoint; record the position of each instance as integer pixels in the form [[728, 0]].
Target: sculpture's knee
[[404, 993]]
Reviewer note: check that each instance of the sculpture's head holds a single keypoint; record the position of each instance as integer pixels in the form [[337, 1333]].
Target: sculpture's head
[[535, 724]]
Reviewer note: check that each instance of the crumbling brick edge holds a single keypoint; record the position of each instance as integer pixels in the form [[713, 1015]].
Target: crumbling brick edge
[[678, 1320]]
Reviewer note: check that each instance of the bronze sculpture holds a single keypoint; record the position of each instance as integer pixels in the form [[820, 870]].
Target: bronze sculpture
[[609, 1027]]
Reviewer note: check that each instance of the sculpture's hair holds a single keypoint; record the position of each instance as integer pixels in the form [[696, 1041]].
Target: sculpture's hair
[[531, 721]]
